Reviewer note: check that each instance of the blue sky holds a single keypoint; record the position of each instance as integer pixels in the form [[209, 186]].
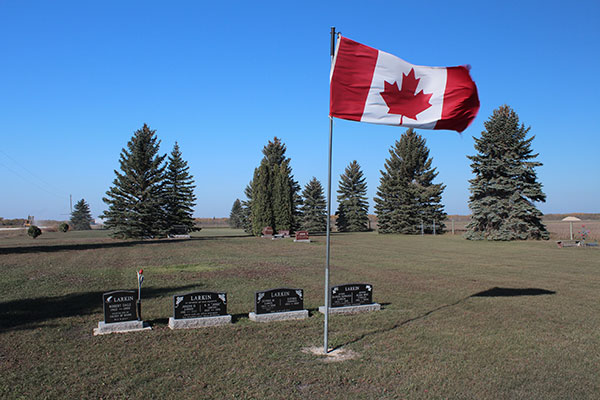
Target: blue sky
[[78, 78]]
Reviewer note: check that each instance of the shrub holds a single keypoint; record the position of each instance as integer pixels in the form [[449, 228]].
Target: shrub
[[63, 227], [34, 231]]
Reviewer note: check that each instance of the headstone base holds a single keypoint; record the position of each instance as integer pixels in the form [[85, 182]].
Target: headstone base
[[301, 240], [267, 236], [191, 323], [351, 309], [121, 327], [280, 316]]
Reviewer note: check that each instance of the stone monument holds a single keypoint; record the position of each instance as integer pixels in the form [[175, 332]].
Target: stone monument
[[199, 309], [351, 298], [278, 304]]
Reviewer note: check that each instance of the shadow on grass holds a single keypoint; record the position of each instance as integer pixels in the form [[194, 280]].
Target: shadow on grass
[[105, 245], [29, 313], [511, 292], [493, 292]]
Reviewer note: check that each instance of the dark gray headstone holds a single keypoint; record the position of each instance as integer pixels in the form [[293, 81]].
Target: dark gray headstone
[[278, 300], [119, 306], [199, 305], [353, 294]]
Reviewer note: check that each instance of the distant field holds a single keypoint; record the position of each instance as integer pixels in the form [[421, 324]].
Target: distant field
[[460, 319]]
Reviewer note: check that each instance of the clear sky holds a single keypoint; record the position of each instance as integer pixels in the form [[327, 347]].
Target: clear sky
[[222, 78]]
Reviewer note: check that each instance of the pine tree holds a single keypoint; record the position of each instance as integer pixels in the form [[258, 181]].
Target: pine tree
[[505, 186], [81, 218], [407, 196], [274, 191], [236, 217], [178, 192], [247, 209], [352, 200], [314, 207], [136, 199]]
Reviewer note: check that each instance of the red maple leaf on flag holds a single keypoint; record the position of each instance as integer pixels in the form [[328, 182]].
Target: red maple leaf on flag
[[405, 102]]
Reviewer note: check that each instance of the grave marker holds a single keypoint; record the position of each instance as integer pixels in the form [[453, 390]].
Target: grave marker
[[120, 313], [278, 304], [351, 298], [267, 232], [199, 309], [302, 236]]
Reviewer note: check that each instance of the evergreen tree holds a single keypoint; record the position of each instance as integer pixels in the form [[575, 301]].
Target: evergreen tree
[[407, 196], [274, 192], [505, 186], [236, 217], [247, 209], [81, 218], [314, 207], [136, 199], [352, 200], [178, 192]]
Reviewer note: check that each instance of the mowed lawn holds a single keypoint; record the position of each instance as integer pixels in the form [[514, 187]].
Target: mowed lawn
[[460, 319]]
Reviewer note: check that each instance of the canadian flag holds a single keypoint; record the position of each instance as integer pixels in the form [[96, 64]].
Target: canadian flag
[[370, 85]]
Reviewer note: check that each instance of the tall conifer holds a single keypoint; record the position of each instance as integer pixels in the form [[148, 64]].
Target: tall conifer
[[136, 201], [505, 186], [236, 217], [407, 196], [352, 214], [314, 207], [178, 191], [274, 191], [81, 218]]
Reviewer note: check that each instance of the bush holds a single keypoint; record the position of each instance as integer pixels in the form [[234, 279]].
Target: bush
[[34, 231], [64, 227]]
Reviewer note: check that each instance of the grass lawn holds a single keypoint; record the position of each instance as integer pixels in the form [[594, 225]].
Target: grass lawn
[[444, 331]]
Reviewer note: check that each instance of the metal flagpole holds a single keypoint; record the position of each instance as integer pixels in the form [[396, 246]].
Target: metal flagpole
[[326, 323]]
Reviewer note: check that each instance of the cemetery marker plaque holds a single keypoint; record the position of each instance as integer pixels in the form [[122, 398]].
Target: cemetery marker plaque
[[354, 294], [278, 304], [351, 298], [120, 313], [302, 236], [119, 306], [199, 309], [199, 305]]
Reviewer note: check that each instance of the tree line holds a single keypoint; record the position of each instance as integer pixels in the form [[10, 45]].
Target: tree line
[[151, 193], [502, 198]]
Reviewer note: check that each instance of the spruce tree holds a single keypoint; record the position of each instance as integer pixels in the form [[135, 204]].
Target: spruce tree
[[407, 196], [81, 218], [247, 209], [352, 214], [178, 192], [505, 186], [236, 217], [136, 199], [274, 192], [314, 207]]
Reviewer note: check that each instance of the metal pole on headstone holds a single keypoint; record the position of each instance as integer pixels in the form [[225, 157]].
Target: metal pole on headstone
[[453, 226], [326, 323], [422, 231], [140, 279], [434, 227]]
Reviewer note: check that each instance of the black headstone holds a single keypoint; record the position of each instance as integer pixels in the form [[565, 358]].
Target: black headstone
[[199, 304], [278, 300], [119, 306], [352, 294]]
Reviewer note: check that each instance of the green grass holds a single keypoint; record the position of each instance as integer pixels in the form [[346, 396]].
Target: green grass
[[433, 338]]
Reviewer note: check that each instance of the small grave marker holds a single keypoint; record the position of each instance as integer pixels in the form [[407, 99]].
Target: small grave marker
[[120, 313], [199, 309], [278, 304], [267, 232], [302, 236], [351, 298]]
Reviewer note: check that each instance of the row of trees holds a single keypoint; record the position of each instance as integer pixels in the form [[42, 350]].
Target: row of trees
[[273, 198], [149, 195], [502, 198]]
